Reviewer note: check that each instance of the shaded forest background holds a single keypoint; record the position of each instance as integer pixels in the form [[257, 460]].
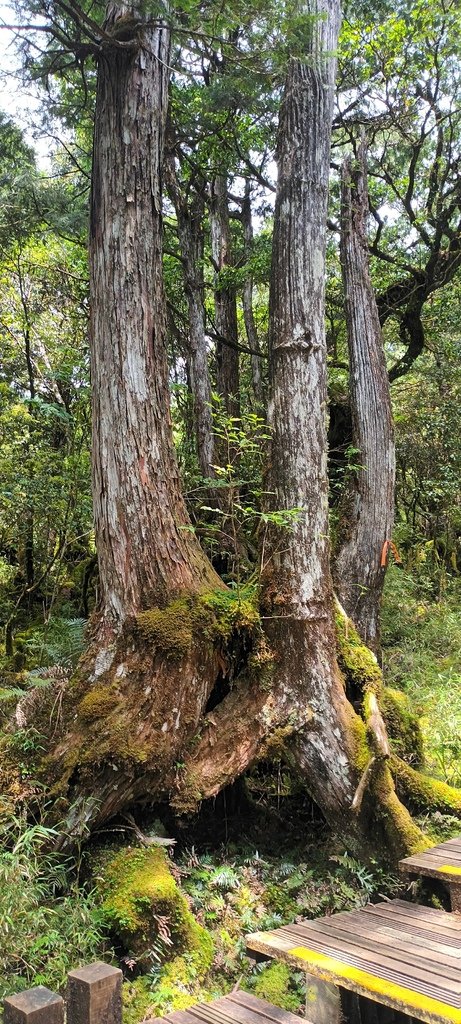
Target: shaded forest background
[[399, 88]]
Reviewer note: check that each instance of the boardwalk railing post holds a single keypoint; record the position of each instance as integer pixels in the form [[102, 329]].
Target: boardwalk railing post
[[94, 995], [36, 1006]]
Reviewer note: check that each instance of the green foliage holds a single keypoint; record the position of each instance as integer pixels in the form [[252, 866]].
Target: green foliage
[[279, 985], [422, 641], [58, 642], [48, 925]]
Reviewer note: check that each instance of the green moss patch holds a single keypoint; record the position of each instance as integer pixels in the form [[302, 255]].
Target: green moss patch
[[275, 986], [97, 703], [211, 616], [402, 726], [145, 908], [355, 659]]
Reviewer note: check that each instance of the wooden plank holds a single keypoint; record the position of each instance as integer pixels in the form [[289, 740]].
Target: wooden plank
[[403, 930], [260, 1006], [371, 958], [378, 941], [241, 1007], [415, 916], [445, 927], [423, 928], [177, 1017], [425, 872], [314, 953], [380, 989], [323, 1003], [431, 858]]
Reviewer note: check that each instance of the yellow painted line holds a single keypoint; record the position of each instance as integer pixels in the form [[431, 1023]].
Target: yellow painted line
[[410, 998], [450, 870]]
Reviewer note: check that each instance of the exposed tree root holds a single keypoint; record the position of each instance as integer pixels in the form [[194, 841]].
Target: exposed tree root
[[423, 793], [240, 731]]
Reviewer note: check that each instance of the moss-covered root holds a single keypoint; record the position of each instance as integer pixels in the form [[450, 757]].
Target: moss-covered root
[[379, 814], [423, 793], [387, 712], [356, 661], [403, 726], [145, 908], [402, 835]]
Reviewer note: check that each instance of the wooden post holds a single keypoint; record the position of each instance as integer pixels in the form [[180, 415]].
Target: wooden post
[[35, 1006], [94, 995], [455, 898], [323, 1004]]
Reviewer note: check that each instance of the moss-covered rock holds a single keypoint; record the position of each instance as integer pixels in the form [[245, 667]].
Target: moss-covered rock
[[402, 726], [145, 908]]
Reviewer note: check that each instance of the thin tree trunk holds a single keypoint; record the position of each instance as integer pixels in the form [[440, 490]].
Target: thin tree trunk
[[29, 546], [190, 218], [368, 508], [227, 356], [146, 551], [247, 297]]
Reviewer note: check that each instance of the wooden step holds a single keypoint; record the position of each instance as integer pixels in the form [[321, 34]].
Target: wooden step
[[237, 1008]]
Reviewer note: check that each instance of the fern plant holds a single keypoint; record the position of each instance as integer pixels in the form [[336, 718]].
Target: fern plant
[[58, 642]]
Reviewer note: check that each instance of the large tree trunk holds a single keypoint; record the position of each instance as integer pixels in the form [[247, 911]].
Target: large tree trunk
[[190, 216], [368, 503], [227, 356], [146, 553], [144, 681], [298, 593], [298, 596]]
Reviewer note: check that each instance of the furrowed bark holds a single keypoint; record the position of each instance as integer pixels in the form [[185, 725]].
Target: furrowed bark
[[298, 592], [368, 503], [334, 746], [145, 550]]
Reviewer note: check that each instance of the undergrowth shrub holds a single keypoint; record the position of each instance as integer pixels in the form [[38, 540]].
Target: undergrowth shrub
[[421, 652], [48, 925]]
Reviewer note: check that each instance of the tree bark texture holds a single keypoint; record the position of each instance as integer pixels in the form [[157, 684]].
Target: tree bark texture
[[227, 356], [298, 592], [145, 550], [368, 502], [298, 595], [190, 217]]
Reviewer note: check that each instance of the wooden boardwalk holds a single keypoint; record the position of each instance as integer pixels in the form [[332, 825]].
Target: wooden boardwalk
[[442, 862], [403, 956], [240, 1007]]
